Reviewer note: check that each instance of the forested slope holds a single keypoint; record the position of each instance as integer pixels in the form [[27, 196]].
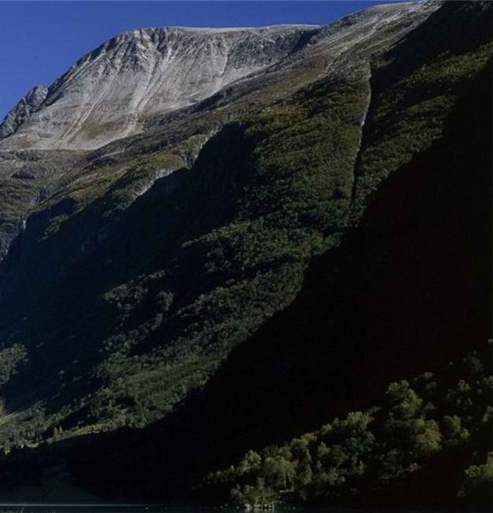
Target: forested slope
[[406, 291], [264, 271]]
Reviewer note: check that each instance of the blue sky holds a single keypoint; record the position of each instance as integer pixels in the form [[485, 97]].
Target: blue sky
[[39, 40]]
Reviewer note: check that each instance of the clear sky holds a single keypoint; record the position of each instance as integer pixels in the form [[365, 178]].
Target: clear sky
[[40, 40]]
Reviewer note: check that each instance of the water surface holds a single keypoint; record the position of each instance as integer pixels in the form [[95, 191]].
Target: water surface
[[83, 508], [132, 508]]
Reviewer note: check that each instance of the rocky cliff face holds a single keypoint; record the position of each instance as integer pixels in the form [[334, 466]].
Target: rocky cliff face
[[23, 110], [112, 92]]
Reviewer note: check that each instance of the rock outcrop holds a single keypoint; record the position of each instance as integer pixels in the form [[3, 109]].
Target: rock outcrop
[[23, 110]]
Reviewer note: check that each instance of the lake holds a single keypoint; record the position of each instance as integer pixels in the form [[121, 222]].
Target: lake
[[81, 508], [130, 508]]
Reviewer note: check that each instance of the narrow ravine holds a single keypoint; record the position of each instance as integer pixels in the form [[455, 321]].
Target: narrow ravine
[[350, 214]]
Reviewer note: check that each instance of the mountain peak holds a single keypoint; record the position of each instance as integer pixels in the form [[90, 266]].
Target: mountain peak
[[29, 104], [111, 91]]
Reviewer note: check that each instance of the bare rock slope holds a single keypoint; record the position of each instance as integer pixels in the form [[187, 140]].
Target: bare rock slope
[[112, 92]]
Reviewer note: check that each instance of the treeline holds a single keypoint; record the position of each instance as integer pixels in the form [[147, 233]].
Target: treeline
[[420, 425]]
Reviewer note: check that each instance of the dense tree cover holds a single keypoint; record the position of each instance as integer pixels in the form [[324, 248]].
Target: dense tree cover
[[364, 452], [186, 270]]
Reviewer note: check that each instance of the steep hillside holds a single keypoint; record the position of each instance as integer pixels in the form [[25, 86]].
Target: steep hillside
[[258, 261], [151, 258], [406, 292]]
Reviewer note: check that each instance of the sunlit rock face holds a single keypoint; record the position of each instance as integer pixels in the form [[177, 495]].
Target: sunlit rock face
[[23, 110], [114, 91], [152, 88], [108, 93]]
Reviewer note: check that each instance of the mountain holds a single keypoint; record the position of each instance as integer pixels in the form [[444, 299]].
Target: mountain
[[219, 240], [21, 112], [112, 91], [118, 89]]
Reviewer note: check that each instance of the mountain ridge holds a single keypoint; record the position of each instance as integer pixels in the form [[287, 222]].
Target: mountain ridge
[[142, 61], [146, 51], [290, 243]]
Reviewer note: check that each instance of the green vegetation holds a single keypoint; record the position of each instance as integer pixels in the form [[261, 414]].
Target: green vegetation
[[289, 197], [368, 451], [242, 299], [199, 260], [409, 112], [478, 482]]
